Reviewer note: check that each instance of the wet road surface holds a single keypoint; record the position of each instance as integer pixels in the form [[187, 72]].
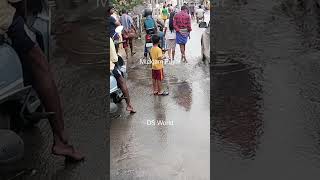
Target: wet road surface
[[265, 110], [81, 82], [179, 150]]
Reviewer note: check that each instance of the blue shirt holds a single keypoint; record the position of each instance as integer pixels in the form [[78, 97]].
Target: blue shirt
[[126, 21]]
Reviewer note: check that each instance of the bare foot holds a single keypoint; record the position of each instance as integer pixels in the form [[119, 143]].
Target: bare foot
[[68, 151], [130, 109]]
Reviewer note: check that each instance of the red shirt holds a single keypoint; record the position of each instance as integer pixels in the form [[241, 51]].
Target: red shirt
[[182, 20]]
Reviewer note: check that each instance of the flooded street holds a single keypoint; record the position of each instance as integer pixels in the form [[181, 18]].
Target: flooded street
[[78, 64], [265, 109], [178, 150]]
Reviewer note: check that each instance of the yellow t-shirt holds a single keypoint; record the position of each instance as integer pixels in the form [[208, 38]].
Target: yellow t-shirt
[[156, 56], [113, 55]]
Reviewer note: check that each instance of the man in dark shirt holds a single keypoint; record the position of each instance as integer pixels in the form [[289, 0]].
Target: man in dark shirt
[[112, 23]]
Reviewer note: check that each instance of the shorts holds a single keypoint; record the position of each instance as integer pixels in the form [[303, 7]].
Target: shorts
[[23, 39], [157, 74]]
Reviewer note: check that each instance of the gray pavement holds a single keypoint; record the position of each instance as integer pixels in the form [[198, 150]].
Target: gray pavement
[[178, 150]]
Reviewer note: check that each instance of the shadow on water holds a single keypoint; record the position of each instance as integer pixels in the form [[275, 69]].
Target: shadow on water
[[183, 95], [236, 113]]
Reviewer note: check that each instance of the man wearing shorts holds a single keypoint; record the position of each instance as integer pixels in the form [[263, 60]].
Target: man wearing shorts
[[33, 60]]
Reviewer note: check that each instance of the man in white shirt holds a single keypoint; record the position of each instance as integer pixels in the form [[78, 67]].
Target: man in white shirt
[[200, 13], [36, 64]]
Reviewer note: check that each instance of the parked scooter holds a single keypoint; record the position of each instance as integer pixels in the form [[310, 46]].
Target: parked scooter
[[20, 106], [148, 38], [116, 94]]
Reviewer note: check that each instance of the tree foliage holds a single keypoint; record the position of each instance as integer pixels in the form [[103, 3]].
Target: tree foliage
[[126, 4]]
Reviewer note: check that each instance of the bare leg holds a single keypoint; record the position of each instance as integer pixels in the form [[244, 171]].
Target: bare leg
[[48, 92], [123, 86], [127, 52], [131, 46], [182, 50], [155, 87], [159, 86], [169, 53], [173, 53]]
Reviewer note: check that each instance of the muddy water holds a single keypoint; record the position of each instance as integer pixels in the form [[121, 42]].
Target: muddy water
[[265, 110]]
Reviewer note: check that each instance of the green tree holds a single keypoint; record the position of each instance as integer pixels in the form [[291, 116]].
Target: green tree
[[126, 4]]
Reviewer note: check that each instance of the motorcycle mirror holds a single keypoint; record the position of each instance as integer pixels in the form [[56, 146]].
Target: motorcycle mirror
[[119, 29]]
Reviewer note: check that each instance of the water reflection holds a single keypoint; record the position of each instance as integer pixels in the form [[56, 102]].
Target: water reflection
[[237, 122], [160, 117], [183, 95]]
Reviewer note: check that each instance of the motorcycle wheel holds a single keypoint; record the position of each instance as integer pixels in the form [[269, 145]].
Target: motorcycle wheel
[[30, 123], [116, 99]]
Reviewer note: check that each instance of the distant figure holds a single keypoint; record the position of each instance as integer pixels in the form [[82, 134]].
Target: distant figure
[[200, 14], [192, 10], [164, 13], [170, 35]]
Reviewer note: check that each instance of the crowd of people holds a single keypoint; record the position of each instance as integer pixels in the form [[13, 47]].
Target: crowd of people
[[175, 28], [129, 31], [178, 26]]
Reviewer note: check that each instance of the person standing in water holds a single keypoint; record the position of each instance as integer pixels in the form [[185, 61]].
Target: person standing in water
[[170, 35], [182, 25]]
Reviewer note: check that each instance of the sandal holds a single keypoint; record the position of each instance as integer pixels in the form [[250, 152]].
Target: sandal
[[155, 93], [164, 93]]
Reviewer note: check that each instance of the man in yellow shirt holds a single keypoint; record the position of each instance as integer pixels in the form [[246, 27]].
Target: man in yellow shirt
[[118, 75], [157, 67], [36, 64]]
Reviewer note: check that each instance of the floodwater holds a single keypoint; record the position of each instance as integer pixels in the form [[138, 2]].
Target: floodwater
[[179, 150], [265, 107], [80, 76]]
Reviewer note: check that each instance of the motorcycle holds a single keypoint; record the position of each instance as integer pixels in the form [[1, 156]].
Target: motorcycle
[[20, 106], [116, 94], [148, 39]]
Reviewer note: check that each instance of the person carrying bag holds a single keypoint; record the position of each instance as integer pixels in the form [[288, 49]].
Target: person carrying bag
[[129, 32]]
